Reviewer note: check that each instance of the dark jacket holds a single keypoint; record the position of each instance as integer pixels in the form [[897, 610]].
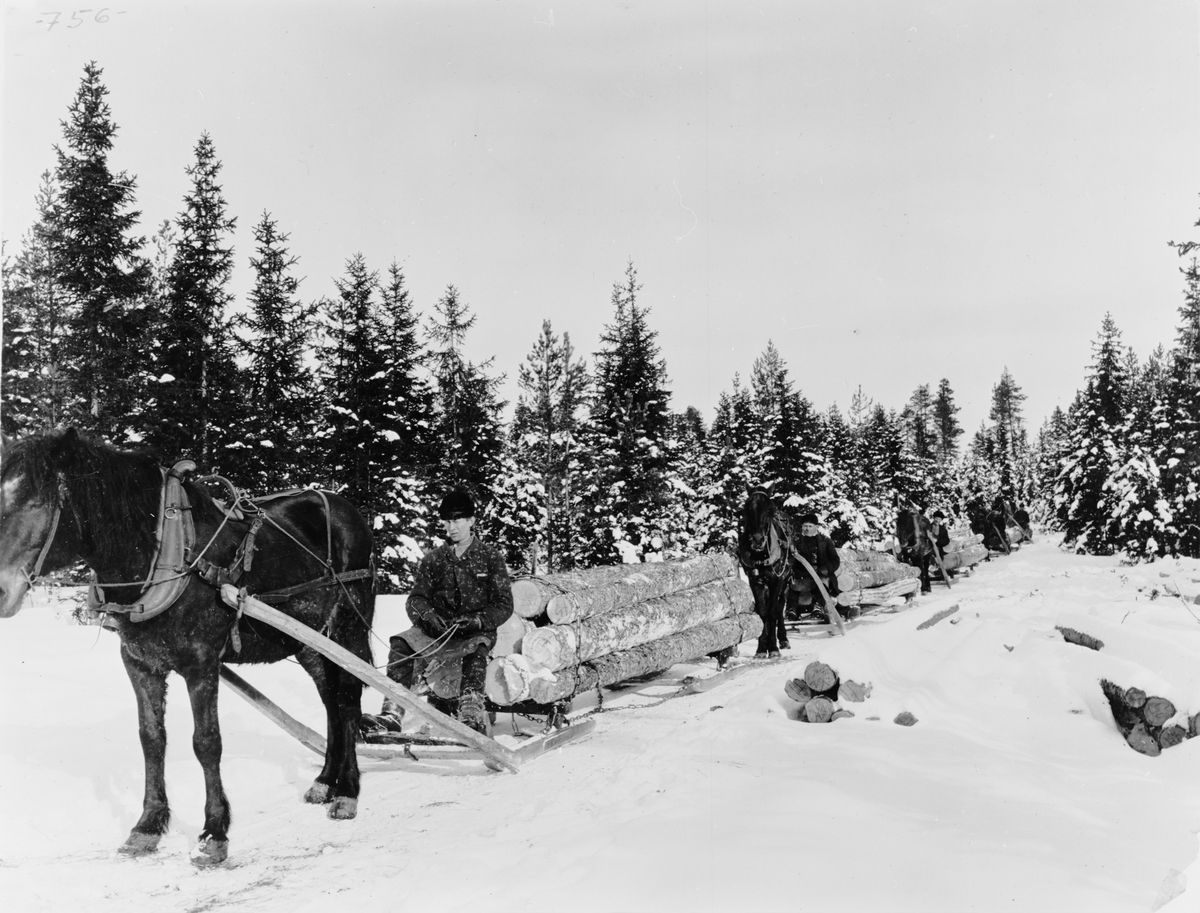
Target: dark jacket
[[819, 551], [942, 540], [453, 587]]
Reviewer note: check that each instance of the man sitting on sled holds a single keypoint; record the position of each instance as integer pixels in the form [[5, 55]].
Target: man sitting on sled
[[818, 550], [461, 594]]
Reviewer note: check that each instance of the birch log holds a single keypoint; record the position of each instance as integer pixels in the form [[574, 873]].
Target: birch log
[[649, 581], [879, 595], [853, 578], [962, 543], [865, 559], [510, 635], [646, 658], [531, 595], [559, 646], [966, 558]]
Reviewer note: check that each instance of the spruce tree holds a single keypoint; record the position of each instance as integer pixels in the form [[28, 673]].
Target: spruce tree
[[353, 381], [98, 266], [947, 430], [1085, 501], [277, 430], [199, 408], [736, 453], [406, 456], [1179, 455], [467, 429], [626, 494], [543, 436], [33, 391], [791, 445]]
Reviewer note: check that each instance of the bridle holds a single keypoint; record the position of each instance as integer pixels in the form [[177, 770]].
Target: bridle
[[774, 551], [55, 515]]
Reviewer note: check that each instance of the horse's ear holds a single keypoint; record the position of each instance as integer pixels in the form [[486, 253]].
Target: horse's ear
[[68, 441]]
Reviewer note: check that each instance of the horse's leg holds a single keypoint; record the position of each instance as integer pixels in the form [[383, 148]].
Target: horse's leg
[[206, 743], [150, 689], [762, 608], [344, 712], [926, 586], [781, 637], [318, 670]]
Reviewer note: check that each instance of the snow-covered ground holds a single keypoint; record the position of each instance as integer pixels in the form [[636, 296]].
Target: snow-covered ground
[[1014, 790]]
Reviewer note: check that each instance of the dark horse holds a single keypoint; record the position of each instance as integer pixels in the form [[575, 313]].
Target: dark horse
[[914, 537], [764, 543], [65, 498]]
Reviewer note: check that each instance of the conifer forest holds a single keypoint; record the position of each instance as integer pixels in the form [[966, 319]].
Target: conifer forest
[[136, 338]]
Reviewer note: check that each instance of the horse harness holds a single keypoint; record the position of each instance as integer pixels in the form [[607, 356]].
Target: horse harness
[[176, 559]]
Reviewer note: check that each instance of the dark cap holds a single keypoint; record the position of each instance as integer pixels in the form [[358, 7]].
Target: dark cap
[[939, 515], [458, 503], [810, 518]]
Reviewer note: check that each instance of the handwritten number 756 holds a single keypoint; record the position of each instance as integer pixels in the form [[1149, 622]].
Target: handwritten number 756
[[76, 19]]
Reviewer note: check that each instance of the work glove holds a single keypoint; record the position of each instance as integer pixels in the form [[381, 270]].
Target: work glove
[[470, 624], [432, 624]]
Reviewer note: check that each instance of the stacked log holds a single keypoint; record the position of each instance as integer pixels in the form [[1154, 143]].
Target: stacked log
[[879, 595], [868, 577], [619, 623], [557, 646], [963, 540], [964, 557], [1144, 719], [574, 595]]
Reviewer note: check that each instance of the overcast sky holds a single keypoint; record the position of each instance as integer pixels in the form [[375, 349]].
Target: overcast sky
[[893, 192]]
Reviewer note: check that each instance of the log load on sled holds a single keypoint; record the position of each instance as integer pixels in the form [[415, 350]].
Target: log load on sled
[[600, 626]]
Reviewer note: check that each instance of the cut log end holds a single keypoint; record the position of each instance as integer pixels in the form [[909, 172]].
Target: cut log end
[[820, 678]]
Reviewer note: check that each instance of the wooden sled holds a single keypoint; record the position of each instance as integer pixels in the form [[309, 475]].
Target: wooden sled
[[414, 748], [453, 738]]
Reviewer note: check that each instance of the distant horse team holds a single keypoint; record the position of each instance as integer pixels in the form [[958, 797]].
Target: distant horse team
[[786, 559]]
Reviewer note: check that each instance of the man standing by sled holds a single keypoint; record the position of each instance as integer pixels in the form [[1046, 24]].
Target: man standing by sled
[[461, 594]]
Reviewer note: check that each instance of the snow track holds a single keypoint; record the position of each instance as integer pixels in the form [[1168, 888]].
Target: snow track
[[1013, 790]]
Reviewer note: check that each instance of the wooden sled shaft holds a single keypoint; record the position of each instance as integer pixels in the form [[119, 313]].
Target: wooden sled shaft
[[260, 611]]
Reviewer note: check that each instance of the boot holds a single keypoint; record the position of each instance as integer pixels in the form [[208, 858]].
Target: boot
[[391, 716], [472, 712], [388, 720]]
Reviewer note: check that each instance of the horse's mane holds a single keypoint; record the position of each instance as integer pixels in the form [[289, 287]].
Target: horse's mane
[[113, 494]]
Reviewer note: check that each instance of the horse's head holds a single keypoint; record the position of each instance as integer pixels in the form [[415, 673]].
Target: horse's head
[[913, 530], [107, 500], [757, 513], [29, 510]]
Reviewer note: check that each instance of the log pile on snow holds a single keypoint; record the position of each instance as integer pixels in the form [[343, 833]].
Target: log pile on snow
[[1149, 722], [1146, 720], [600, 626], [821, 692]]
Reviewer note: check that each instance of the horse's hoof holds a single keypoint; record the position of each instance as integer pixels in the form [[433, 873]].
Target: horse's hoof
[[784, 645], [318, 794], [138, 844], [773, 654], [342, 808], [761, 654], [209, 852]]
